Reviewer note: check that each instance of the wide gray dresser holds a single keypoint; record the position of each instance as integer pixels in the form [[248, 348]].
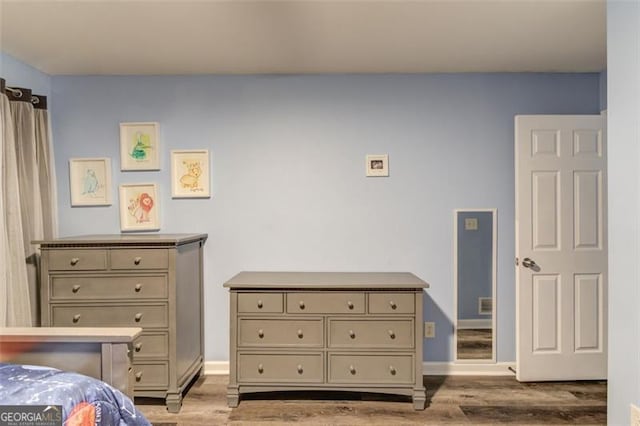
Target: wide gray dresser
[[326, 331], [152, 281]]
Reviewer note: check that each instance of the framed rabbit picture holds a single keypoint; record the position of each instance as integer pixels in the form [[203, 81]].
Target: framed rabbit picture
[[190, 176]]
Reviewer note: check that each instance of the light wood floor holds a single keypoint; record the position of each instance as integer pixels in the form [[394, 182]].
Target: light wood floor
[[462, 400]]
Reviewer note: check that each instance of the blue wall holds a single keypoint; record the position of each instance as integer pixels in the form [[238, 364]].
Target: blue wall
[[19, 74], [623, 65], [475, 263], [289, 186]]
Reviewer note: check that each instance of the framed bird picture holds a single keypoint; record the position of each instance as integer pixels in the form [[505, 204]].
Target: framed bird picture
[[90, 181], [139, 207]]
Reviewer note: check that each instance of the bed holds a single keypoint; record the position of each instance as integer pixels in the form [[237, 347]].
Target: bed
[[84, 372]]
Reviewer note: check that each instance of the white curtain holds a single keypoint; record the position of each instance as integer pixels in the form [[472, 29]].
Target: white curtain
[[30, 193], [15, 301], [46, 173]]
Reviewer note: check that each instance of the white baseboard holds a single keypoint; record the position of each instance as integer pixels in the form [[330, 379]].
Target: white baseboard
[[468, 324], [216, 368], [467, 369], [221, 368]]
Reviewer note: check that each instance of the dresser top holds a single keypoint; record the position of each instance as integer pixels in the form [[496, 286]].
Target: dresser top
[[69, 334], [327, 280], [124, 240]]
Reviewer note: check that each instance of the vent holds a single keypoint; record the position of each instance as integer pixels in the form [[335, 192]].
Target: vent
[[485, 305]]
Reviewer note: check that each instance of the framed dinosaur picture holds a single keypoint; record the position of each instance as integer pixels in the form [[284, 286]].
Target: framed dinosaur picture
[[139, 146], [190, 176], [90, 181], [139, 207]]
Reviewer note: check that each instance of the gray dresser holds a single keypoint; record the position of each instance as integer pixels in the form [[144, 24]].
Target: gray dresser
[[152, 281], [326, 331]]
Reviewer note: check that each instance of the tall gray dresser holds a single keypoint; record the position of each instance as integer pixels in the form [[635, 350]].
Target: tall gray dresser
[[152, 281], [326, 331]]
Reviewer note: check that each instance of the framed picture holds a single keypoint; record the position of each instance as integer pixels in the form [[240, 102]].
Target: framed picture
[[377, 165], [190, 174], [139, 146], [139, 207], [90, 181]]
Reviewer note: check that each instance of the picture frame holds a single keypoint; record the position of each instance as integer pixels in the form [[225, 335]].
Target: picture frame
[[190, 174], [139, 146], [90, 181], [139, 207], [377, 165]]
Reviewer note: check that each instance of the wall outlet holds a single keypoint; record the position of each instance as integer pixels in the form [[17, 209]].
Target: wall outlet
[[635, 415], [430, 330]]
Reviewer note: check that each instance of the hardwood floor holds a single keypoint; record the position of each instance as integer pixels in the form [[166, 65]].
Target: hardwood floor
[[451, 400], [474, 343]]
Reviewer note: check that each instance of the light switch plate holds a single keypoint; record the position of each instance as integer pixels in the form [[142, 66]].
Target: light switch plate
[[471, 224], [429, 329]]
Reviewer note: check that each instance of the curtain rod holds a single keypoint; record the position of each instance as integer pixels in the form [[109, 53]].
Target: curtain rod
[[24, 95]]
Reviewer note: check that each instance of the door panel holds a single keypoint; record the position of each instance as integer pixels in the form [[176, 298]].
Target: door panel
[[561, 246]]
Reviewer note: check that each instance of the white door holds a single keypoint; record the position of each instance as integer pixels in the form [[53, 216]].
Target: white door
[[561, 247]]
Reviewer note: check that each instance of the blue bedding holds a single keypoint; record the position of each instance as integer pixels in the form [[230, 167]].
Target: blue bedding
[[84, 400]]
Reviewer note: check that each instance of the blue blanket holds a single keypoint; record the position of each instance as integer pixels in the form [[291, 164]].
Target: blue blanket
[[84, 400]]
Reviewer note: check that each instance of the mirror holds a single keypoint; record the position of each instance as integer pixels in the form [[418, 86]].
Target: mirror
[[475, 284]]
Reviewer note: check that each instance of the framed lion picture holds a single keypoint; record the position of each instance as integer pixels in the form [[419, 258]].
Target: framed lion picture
[[139, 207]]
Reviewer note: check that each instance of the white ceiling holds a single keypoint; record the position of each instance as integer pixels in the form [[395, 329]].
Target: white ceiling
[[302, 36]]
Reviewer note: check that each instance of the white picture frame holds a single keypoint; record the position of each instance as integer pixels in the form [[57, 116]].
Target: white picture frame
[[139, 210], [377, 165], [190, 174], [90, 181], [139, 146]]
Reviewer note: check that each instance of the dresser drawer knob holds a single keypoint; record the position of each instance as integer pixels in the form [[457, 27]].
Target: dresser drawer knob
[[138, 287], [261, 333], [392, 334], [137, 260], [393, 305], [260, 304], [392, 370], [260, 369], [75, 288], [76, 318], [300, 334], [138, 347], [352, 334], [301, 304], [138, 376], [138, 317], [352, 369], [350, 304], [74, 261], [300, 369]]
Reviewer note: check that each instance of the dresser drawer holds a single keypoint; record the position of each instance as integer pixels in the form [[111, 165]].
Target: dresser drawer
[[331, 302], [280, 368], [150, 375], [391, 303], [111, 287], [280, 332], [139, 259], [373, 369], [372, 333], [260, 302], [151, 345], [106, 316], [77, 260]]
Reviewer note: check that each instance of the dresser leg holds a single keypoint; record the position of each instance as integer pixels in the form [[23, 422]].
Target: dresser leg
[[233, 396], [174, 402], [419, 399]]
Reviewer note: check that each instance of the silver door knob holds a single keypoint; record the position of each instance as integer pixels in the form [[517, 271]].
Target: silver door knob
[[352, 369], [300, 334], [138, 376], [301, 304], [350, 304], [138, 287], [74, 261], [75, 288], [392, 304], [300, 369], [528, 263], [137, 260], [138, 347]]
